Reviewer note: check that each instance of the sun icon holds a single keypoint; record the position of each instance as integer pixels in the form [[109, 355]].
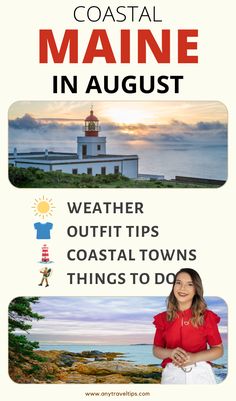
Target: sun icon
[[43, 207]]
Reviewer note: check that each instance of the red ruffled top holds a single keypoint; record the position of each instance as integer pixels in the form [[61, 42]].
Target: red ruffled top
[[181, 333]]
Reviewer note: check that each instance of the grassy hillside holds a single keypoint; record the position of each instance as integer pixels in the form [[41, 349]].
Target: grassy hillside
[[34, 178]]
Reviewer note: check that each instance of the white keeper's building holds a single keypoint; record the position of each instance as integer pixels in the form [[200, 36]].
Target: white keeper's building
[[90, 158]]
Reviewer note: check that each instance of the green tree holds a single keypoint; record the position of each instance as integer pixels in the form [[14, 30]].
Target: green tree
[[20, 315]]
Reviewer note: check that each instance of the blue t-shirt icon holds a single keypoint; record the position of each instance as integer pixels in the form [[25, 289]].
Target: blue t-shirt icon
[[43, 230]]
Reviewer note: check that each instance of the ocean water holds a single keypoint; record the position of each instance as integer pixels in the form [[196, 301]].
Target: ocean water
[[138, 354], [191, 160]]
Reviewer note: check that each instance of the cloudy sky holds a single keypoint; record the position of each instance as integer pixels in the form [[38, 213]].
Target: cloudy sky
[[58, 123], [104, 320]]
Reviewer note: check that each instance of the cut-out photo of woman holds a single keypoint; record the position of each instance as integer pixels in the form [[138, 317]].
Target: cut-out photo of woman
[[187, 338]]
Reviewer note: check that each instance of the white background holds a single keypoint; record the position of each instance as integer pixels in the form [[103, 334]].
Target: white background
[[188, 218]]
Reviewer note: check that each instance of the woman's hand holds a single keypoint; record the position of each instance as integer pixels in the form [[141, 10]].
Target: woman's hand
[[179, 356], [182, 358], [191, 359]]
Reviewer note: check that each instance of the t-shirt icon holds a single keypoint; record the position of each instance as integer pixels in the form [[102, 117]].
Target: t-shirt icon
[[43, 230]]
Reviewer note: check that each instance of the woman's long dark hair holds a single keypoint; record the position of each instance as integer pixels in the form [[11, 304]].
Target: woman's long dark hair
[[198, 303]]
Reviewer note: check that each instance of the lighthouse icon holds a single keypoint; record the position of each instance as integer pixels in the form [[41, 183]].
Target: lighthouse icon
[[45, 255]]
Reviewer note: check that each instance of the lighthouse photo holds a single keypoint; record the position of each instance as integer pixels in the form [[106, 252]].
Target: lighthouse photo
[[117, 144]]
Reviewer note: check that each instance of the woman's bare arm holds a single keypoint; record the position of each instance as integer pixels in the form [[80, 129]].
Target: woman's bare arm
[[208, 355]]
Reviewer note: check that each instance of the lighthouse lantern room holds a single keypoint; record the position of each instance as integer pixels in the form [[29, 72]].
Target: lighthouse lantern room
[[91, 125]]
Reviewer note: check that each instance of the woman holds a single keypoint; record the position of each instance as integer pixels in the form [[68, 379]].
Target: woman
[[187, 336]]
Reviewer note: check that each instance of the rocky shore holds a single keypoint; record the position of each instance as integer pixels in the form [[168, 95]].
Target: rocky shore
[[85, 367]]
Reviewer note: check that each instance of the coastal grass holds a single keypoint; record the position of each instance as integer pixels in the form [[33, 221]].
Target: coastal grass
[[35, 178]]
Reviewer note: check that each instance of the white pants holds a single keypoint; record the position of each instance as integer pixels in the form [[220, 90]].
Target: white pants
[[199, 373]]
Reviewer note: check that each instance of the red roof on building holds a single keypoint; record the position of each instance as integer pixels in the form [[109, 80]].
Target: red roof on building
[[91, 117]]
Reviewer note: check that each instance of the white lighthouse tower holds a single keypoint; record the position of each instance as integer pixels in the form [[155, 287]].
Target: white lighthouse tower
[[91, 145]]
